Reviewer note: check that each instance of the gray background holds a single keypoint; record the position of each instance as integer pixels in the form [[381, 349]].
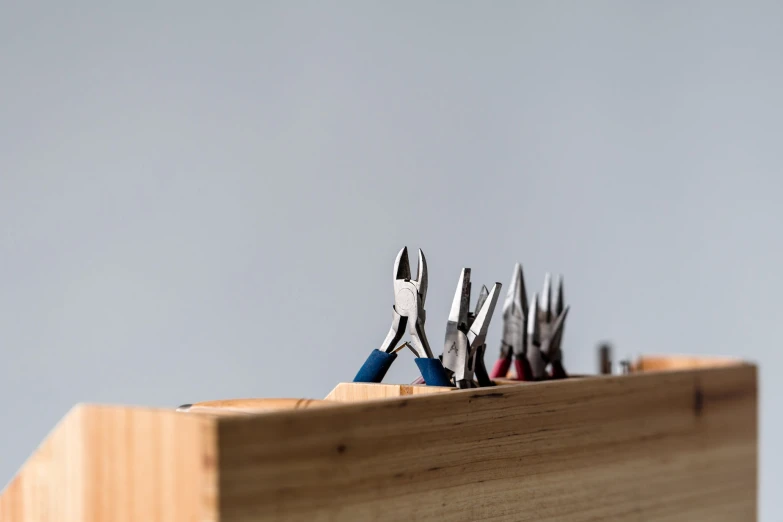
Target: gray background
[[204, 200]]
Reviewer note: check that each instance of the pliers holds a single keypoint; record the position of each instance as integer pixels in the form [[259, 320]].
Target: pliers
[[551, 317], [543, 338], [408, 311], [466, 334], [513, 344], [532, 334], [482, 376]]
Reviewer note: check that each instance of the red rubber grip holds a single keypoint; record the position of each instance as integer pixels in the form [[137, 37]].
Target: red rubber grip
[[501, 368], [524, 372]]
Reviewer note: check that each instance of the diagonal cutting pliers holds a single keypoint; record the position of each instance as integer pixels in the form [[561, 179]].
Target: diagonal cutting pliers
[[407, 313]]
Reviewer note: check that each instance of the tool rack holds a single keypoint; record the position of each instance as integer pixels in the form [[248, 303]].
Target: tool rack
[[674, 440]]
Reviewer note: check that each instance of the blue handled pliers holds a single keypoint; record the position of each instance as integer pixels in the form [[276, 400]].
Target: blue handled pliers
[[408, 311]]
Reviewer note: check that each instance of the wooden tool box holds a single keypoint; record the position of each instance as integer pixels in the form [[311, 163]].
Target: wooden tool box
[[675, 440]]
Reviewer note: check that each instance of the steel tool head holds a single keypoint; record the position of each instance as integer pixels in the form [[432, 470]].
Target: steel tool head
[[402, 272], [533, 327], [465, 332], [551, 347], [545, 305], [409, 310], [402, 267], [547, 313], [516, 297], [559, 304], [478, 330], [422, 278], [533, 338], [461, 302], [515, 310], [483, 295], [409, 293], [456, 351]]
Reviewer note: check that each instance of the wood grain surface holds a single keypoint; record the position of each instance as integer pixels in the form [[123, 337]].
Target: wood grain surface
[[119, 464], [677, 446], [668, 446]]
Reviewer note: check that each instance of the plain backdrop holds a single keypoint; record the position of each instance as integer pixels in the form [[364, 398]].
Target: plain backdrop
[[203, 200]]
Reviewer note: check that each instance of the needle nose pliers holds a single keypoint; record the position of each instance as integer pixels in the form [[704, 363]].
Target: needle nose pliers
[[532, 334]]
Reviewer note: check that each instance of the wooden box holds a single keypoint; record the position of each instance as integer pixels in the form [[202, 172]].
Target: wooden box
[[675, 440]]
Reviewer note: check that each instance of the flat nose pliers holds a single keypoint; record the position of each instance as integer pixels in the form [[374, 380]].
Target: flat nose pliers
[[466, 333]]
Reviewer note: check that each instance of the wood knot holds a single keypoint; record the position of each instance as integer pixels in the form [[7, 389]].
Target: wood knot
[[698, 400]]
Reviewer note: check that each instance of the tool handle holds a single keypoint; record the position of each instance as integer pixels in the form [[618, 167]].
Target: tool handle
[[523, 369], [375, 367], [558, 372], [500, 369], [433, 372], [481, 372]]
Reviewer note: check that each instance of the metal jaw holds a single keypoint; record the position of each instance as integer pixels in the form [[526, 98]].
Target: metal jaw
[[533, 338], [545, 332], [466, 332], [550, 347], [515, 310], [551, 319], [408, 311]]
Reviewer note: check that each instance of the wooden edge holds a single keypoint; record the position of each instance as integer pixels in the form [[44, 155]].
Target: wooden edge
[[658, 363], [252, 406], [360, 391]]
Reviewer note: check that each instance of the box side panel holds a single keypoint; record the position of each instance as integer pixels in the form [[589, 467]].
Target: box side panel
[[49, 487], [150, 465], [678, 446]]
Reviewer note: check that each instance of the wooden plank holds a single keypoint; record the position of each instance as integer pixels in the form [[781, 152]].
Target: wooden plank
[[676, 446], [107, 464]]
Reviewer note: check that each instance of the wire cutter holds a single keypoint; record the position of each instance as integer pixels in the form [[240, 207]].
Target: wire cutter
[[408, 311], [466, 333], [513, 344]]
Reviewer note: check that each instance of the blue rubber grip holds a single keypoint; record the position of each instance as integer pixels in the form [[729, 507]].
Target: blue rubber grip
[[375, 367], [433, 372]]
